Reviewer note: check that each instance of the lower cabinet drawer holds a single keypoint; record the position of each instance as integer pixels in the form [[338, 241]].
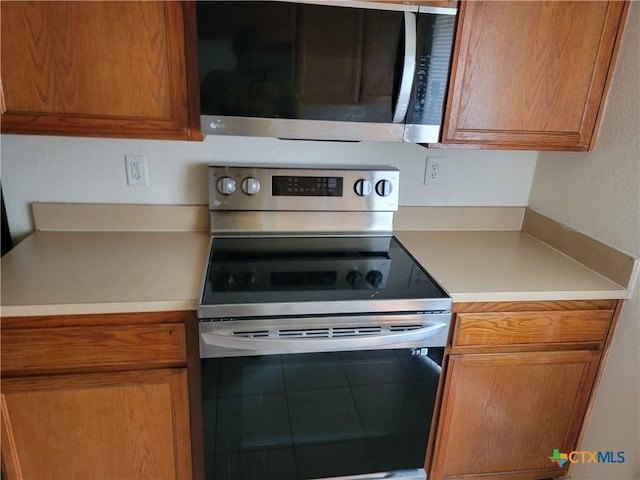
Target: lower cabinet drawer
[[69, 349], [517, 328]]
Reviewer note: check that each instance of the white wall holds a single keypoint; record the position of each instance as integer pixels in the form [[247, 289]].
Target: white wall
[[91, 170], [598, 193]]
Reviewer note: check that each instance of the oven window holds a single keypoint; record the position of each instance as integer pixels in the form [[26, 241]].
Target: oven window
[[316, 415]]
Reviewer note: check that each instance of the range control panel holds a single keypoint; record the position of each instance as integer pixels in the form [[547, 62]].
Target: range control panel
[[311, 189]]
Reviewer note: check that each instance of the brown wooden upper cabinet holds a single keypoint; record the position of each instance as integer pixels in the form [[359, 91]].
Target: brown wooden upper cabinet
[[112, 69], [531, 75]]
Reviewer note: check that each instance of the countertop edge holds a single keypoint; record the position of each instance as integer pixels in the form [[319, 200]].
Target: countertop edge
[[97, 308], [621, 294], [191, 305]]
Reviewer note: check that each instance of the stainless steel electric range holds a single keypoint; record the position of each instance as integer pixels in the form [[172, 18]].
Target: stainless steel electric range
[[321, 337]]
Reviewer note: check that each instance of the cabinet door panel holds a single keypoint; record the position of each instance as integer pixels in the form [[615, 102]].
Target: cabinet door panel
[[95, 68], [87, 41], [531, 74], [124, 425], [503, 414]]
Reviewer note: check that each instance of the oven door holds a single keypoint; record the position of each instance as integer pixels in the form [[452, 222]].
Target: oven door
[[362, 414], [340, 396]]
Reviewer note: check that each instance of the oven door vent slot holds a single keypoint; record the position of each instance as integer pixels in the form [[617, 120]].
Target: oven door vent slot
[[331, 332], [255, 334], [305, 332], [404, 328], [356, 331]]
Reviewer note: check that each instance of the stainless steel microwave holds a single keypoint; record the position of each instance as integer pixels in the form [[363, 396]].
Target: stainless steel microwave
[[324, 70]]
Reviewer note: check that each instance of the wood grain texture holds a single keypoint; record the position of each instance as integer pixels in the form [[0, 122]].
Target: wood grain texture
[[191, 69], [542, 306], [531, 75], [73, 349], [192, 329], [524, 328], [519, 379], [503, 414], [88, 41], [96, 68], [3, 105], [107, 319], [10, 460], [125, 425]]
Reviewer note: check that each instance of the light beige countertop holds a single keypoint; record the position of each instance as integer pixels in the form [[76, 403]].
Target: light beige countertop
[[52, 273], [55, 273], [477, 266]]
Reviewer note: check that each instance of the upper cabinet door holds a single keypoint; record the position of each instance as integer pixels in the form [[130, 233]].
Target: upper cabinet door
[[531, 74], [114, 69]]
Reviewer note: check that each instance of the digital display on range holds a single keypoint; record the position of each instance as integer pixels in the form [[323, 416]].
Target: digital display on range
[[306, 186]]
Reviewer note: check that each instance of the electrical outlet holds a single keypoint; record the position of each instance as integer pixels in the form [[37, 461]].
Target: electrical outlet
[[433, 171], [137, 170]]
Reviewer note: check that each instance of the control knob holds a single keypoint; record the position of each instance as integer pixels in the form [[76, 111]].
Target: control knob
[[226, 185], [383, 188], [354, 277], [363, 187], [250, 185], [374, 277]]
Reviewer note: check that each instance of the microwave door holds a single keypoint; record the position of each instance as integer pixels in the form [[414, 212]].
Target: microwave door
[[310, 72]]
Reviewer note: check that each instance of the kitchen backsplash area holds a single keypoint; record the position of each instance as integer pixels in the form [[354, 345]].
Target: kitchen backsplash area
[[92, 170]]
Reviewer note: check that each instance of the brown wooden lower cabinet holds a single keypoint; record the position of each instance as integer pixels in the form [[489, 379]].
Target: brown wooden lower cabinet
[[518, 382], [131, 425], [505, 413], [101, 396]]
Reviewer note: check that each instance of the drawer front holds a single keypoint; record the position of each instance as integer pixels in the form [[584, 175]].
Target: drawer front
[[518, 328], [92, 348]]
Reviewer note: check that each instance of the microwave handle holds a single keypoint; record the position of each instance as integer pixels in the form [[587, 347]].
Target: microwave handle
[[286, 345], [408, 68]]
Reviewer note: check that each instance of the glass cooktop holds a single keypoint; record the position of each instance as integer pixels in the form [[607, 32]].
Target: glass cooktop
[[297, 270]]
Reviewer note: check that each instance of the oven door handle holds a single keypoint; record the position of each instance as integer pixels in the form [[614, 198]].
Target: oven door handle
[[286, 345]]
